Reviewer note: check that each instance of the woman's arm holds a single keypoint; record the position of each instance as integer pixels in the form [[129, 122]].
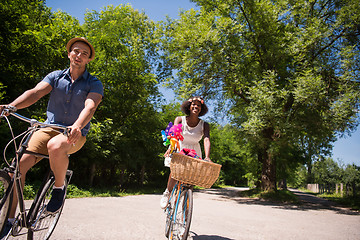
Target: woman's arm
[[207, 141], [177, 120]]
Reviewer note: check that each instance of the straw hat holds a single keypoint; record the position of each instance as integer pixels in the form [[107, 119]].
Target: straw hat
[[81, 39]]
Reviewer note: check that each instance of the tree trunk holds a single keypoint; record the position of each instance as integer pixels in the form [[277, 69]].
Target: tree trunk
[[268, 174], [309, 177], [92, 173], [142, 175]]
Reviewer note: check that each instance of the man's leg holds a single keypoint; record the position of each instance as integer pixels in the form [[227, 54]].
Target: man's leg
[[37, 144], [26, 162], [58, 149]]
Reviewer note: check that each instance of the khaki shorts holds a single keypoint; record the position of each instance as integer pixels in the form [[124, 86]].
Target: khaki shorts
[[40, 138]]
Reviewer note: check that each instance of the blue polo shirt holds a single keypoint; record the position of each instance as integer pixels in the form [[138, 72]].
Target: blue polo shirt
[[67, 99]]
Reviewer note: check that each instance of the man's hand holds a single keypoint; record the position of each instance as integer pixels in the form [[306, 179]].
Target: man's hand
[[75, 134], [8, 109], [2, 108]]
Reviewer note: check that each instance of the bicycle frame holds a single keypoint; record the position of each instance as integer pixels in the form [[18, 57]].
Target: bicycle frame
[[14, 171]]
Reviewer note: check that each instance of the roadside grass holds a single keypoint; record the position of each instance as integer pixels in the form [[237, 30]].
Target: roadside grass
[[281, 196], [346, 201], [76, 192]]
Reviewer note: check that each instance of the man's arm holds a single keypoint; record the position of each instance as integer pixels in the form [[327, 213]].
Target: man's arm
[[91, 103], [31, 96]]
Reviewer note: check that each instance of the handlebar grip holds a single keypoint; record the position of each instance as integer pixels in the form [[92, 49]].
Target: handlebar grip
[[7, 110]]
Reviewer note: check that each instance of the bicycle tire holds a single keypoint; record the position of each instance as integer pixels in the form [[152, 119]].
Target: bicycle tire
[[5, 210], [43, 223], [170, 210], [181, 224]]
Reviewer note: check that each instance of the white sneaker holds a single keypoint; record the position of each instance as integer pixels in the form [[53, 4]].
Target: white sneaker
[[164, 199]]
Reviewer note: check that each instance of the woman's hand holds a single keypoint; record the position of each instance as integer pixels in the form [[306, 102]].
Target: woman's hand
[[167, 153]]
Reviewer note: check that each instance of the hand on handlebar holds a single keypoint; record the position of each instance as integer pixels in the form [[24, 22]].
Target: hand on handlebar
[[5, 110]]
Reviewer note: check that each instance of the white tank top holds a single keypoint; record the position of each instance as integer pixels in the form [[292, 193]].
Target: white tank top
[[192, 136]]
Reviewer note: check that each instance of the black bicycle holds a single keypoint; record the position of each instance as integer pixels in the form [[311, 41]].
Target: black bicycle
[[36, 222]]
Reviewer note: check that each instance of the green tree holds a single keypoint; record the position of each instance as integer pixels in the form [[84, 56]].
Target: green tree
[[230, 150], [32, 43], [126, 53], [351, 176], [327, 171], [289, 70]]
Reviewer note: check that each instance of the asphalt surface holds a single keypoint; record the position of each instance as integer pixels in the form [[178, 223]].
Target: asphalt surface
[[219, 214]]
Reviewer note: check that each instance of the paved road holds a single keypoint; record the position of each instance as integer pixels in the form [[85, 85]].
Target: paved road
[[219, 214]]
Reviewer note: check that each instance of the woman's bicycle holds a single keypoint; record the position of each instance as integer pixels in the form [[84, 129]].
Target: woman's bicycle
[[179, 211], [36, 222], [188, 172]]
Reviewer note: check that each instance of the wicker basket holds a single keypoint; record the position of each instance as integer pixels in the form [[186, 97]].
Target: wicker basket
[[194, 171]]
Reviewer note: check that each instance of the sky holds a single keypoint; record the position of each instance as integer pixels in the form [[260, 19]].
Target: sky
[[346, 150]]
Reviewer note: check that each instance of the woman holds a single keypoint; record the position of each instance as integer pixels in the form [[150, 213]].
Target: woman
[[194, 129]]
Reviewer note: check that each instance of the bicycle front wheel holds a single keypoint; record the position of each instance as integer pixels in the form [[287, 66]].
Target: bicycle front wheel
[[181, 224], [42, 222], [6, 199]]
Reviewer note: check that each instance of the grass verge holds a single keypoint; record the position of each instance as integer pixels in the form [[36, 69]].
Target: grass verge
[[281, 196], [346, 201], [76, 192], [343, 200]]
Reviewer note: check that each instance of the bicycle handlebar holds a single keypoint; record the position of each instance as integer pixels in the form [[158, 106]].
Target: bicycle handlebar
[[33, 122]]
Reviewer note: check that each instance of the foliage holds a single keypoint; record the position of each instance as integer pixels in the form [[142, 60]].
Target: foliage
[[230, 150], [23, 44], [327, 171], [29, 192], [351, 175], [289, 70], [299, 178], [32, 43], [125, 138], [285, 71]]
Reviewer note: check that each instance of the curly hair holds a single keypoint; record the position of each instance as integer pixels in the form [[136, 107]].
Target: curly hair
[[185, 106]]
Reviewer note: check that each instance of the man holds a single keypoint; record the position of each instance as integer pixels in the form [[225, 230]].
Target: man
[[74, 97]]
